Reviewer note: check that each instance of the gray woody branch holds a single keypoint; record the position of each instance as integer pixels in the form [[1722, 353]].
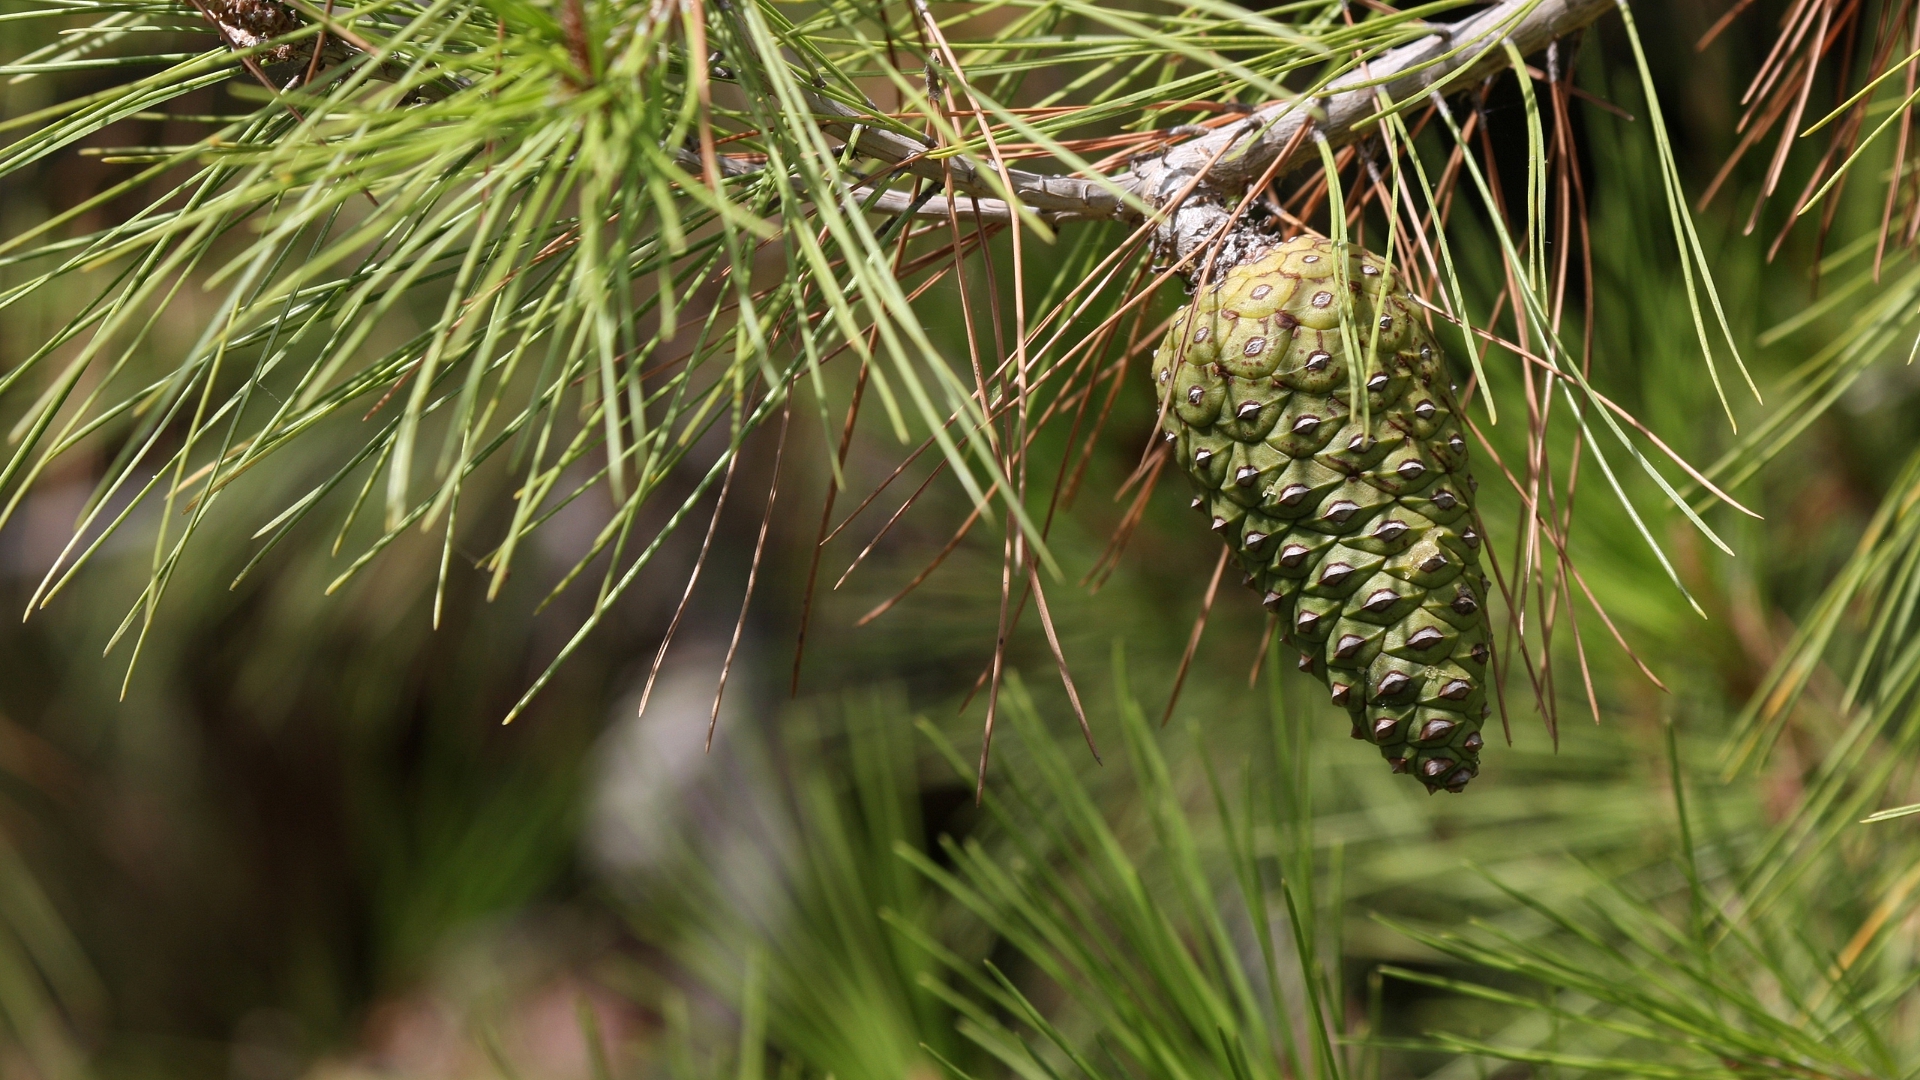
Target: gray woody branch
[[1340, 114]]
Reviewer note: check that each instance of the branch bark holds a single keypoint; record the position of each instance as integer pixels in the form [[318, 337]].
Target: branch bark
[[1352, 100], [1341, 113]]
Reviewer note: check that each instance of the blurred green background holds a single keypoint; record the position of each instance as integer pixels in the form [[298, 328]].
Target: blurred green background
[[303, 845]]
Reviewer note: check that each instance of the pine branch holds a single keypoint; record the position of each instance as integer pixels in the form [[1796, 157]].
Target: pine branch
[[1351, 103], [1456, 56]]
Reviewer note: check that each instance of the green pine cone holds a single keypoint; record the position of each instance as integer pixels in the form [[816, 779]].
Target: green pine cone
[[1357, 530]]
